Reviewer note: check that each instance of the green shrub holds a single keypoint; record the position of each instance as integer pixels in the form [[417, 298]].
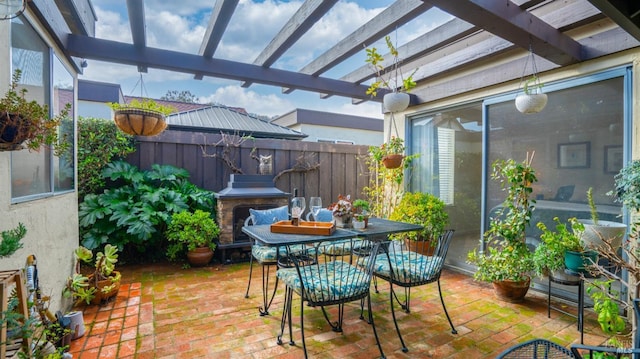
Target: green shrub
[[99, 143], [136, 210], [424, 209]]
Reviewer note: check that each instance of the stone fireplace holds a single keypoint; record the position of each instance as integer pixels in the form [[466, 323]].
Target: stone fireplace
[[233, 203]]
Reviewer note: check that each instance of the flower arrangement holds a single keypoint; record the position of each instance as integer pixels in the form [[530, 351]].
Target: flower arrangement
[[343, 207]]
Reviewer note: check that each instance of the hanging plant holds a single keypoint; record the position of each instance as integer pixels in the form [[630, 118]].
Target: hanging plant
[[531, 100], [392, 79], [141, 118], [25, 123]]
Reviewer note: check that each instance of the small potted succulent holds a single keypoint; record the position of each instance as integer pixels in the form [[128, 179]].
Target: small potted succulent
[[197, 232], [101, 283], [141, 117], [25, 123], [342, 211]]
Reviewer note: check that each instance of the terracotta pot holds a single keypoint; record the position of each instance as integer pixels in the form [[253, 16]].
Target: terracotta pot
[[200, 257], [511, 291], [100, 296], [140, 122], [423, 247], [392, 161]]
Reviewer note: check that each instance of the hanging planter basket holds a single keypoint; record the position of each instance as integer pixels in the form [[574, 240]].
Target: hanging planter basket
[[531, 103], [14, 130], [396, 101], [392, 161], [140, 122]]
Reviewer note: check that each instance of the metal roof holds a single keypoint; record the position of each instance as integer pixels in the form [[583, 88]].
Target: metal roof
[[218, 118]]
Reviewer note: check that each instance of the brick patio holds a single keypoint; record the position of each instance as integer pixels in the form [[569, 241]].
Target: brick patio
[[164, 311]]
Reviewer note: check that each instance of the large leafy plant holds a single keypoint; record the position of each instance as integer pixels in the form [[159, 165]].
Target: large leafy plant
[[191, 230], [508, 257], [424, 209], [136, 208]]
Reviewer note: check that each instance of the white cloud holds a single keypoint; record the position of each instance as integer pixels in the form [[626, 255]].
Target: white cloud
[[253, 102]]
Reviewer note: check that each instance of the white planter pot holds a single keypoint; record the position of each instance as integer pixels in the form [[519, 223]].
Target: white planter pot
[[608, 230], [358, 224], [77, 324], [396, 101], [533, 103]]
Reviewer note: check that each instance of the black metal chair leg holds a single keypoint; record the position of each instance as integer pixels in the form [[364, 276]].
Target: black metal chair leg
[[453, 330], [375, 332], [266, 301], [286, 316], [304, 344], [395, 321], [246, 295]]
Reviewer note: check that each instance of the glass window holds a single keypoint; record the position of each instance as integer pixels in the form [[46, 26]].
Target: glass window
[[32, 173], [63, 165], [577, 143], [450, 166]]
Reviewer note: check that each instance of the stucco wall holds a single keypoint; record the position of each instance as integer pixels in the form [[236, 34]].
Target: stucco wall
[[52, 223]]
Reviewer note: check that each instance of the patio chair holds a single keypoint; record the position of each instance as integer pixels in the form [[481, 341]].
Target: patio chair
[[326, 283], [338, 250], [537, 348], [404, 267], [266, 256]]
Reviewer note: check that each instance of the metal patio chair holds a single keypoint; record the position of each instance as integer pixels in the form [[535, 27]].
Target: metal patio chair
[[537, 348], [327, 283], [404, 267]]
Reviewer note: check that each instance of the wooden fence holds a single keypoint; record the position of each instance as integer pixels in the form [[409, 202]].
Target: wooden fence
[[341, 169]]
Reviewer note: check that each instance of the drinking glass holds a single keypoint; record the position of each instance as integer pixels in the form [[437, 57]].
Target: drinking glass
[[297, 207], [315, 204]]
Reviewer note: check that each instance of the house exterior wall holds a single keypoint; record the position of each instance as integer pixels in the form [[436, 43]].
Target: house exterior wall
[[51, 223], [358, 136]]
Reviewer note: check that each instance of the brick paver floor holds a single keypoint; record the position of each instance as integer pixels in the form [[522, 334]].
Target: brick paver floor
[[164, 311]]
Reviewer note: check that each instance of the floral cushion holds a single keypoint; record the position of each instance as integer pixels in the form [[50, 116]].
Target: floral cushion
[[340, 247], [408, 267], [269, 216], [326, 281], [267, 254]]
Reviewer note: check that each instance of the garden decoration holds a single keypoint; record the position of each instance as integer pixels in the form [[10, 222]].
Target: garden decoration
[[99, 285]]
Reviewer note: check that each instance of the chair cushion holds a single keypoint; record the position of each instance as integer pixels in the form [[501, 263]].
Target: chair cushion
[[267, 254], [340, 247], [408, 267], [324, 215], [326, 281], [269, 216]]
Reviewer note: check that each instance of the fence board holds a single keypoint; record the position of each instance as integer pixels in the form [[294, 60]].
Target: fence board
[[342, 167]]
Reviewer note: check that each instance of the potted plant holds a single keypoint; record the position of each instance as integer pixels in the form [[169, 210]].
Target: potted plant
[[424, 209], [359, 221], [361, 209], [390, 153], [531, 100], [397, 99], [507, 261], [143, 118], [596, 230], [197, 232], [342, 211], [27, 123], [549, 256], [101, 283]]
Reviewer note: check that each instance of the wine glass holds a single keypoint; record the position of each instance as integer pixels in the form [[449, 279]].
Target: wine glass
[[297, 207], [315, 204]]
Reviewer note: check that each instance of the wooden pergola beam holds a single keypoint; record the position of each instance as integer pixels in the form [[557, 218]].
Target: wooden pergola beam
[[218, 23], [135, 9]]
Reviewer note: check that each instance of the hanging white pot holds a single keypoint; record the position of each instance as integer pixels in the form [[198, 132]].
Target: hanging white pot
[[531, 103], [396, 101]]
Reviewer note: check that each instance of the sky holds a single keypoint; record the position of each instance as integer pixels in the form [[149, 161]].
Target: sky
[[180, 26]]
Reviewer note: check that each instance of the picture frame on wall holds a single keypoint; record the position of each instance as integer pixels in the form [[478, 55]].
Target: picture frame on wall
[[574, 155], [613, 159]]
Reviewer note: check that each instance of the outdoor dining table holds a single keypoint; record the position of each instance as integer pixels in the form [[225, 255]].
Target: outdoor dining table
[[377, 229]]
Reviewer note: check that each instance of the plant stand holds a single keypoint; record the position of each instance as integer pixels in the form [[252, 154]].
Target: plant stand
[[580, 315], [7, 279]]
